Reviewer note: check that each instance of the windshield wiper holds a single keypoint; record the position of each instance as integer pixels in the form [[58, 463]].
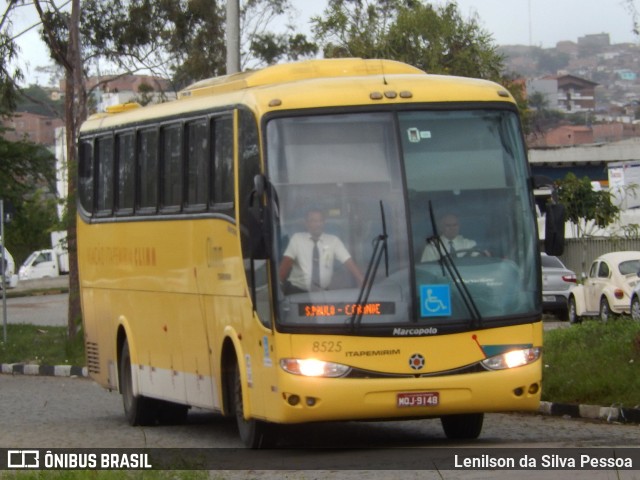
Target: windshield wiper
[[379, 248], [449, 265]]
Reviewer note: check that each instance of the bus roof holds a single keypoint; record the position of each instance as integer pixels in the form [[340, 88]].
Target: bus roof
[[308, 84], [292, 72]]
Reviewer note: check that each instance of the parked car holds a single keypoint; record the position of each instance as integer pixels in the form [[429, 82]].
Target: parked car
[[607, 289], [557, 281]]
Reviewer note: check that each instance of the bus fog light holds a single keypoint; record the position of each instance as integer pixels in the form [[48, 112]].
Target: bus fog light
[[512, 359], [313, 368]]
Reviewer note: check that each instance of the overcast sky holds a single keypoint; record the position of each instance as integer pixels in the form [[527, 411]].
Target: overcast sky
[[536, 22], [527, 22]]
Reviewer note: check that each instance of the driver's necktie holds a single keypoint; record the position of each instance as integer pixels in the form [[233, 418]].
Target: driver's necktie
[[315, 266], [452, 249]]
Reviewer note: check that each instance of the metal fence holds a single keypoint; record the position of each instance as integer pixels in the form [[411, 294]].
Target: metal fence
[[594, 247]]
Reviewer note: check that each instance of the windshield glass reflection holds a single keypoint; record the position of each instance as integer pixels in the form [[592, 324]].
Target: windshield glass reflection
[[350, 253]]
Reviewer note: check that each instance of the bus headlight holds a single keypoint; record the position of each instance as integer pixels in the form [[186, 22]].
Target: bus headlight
[[313, 368], [512, 359]]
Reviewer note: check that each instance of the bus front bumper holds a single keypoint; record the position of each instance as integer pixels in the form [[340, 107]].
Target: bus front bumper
[[305, 399]]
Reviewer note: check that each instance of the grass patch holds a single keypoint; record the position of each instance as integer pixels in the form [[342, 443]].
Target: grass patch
[[33, 344], [593, 363]]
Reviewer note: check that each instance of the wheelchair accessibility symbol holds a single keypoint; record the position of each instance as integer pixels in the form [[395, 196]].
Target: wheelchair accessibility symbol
[[435, 300]]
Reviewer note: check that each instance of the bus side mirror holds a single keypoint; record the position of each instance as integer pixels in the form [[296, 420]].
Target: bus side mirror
[[554, 229]]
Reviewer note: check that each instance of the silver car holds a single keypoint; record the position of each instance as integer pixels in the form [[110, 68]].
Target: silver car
[[557, 280]]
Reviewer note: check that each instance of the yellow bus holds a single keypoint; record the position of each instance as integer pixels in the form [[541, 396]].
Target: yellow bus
[[196, 227]]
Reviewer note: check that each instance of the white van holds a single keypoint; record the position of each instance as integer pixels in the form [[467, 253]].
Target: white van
[[48, 263]]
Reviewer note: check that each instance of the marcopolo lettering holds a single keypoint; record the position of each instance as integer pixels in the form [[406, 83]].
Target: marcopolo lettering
[[410, 332]]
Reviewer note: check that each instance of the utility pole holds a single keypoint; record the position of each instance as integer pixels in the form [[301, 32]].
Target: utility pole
[[233, 36]]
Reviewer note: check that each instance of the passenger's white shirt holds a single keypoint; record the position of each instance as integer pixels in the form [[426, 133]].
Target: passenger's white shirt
[[300, 250], [430, 254]]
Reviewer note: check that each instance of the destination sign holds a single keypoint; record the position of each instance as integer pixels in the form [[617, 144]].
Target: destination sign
[[333, 309]]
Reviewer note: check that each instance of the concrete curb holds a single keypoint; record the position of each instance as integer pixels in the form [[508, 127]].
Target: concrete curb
[[45, 370], [614, 413]]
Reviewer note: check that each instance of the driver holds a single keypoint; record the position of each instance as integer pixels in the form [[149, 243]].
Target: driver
[[307, 264], [453, 242]]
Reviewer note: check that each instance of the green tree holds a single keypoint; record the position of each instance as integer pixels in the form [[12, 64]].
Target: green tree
[[587, 209], [9, 76], [184, 41], [434, 38], [27, 173]]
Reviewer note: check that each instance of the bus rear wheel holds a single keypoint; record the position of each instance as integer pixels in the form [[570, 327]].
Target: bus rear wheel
[[139, 410], [462, 427], [253, 433]]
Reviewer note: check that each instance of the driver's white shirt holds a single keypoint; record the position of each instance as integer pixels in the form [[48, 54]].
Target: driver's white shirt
[[300, 250], [430, 254]]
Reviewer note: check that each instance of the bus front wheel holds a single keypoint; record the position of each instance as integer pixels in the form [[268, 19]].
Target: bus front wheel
[[253, 433], [462, 427], [139, 410]]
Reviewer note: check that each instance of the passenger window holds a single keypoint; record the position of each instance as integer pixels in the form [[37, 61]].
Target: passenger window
[[197, 165], [105, 176], [85, 175], [223, 161], [125, 145], [148, 174], [172, 168]]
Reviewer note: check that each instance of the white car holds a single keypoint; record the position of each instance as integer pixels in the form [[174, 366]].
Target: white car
[[607, 289]]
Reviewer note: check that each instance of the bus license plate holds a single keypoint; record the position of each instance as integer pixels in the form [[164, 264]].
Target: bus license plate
[[418, 399]]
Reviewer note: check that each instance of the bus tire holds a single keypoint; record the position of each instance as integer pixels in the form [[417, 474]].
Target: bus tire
[[462, 427], [253, 433], [139, 410]]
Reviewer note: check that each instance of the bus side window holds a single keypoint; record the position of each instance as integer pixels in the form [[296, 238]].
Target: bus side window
[[125, 170], [148, 170], [223, 191], [105, 175], [171, 170], [197, 166], [85, 175]]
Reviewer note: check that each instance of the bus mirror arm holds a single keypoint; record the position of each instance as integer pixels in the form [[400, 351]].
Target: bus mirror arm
[[554, 229], [263, 210]]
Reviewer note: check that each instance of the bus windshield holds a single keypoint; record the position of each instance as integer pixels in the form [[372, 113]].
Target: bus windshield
[[421, 221]]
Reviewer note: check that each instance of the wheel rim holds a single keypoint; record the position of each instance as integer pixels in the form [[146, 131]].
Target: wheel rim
[[635, 309], [572, 311], [604, 310]]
